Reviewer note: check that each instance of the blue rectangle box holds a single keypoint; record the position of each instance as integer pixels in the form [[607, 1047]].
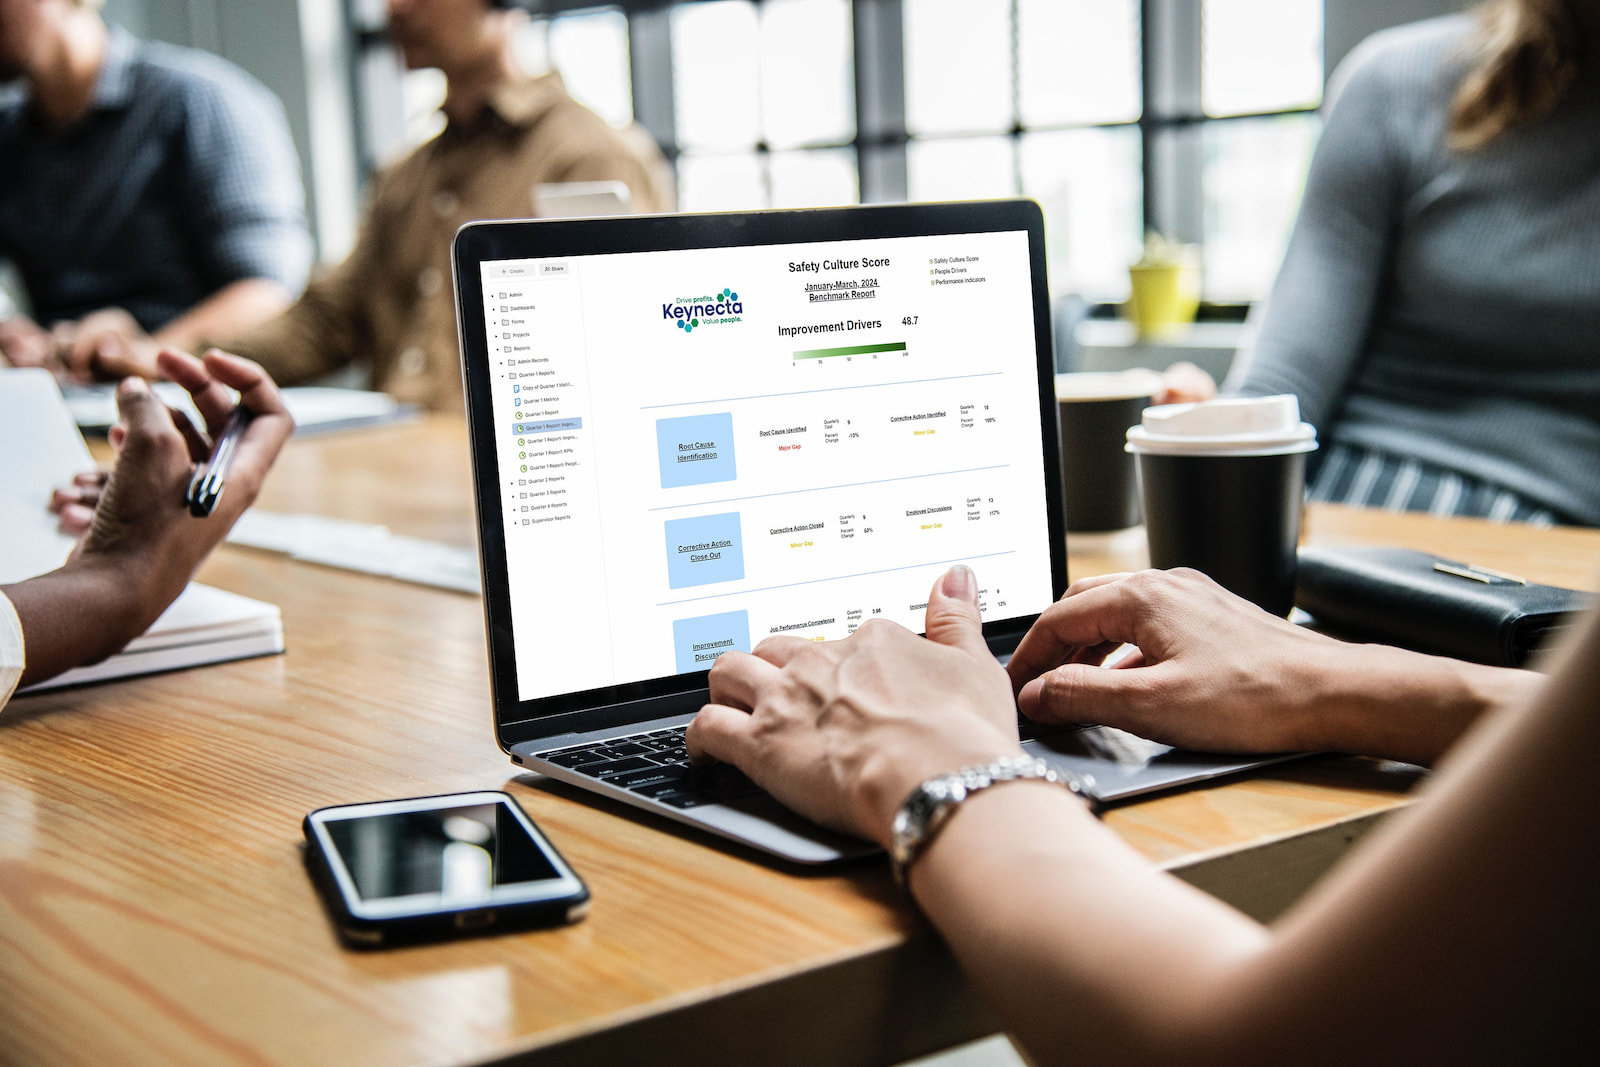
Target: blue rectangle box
[[696, 450], [703, 550], [701, 640]]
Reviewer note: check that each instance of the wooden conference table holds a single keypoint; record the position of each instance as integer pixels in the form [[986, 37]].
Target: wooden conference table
[[153, 906]]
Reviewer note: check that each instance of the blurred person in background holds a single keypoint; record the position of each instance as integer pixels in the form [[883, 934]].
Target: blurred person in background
[[1438, 309], [149, 195], [390, 304]]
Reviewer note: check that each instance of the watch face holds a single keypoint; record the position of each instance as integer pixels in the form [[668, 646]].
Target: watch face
[[916, 817], [904, 836]]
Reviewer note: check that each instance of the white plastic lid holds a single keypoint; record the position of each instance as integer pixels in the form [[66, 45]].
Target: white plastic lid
[[1107, 385], [1227, 426]]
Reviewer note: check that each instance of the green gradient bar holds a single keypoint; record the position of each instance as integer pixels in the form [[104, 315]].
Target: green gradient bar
[[856, 350]]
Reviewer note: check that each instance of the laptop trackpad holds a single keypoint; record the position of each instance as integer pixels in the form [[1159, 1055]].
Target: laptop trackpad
[[1123, 764], [768, 824]]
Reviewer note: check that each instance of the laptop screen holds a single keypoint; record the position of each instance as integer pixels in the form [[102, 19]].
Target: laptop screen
[[701, 447]]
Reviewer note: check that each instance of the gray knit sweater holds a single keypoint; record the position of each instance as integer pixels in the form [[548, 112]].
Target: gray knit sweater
[[1440, 304]]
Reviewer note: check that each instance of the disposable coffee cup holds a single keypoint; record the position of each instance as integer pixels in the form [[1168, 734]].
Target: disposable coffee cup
[[1223, 485], [1099, 478]]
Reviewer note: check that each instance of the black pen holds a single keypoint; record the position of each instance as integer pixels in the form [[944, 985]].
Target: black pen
[[205, 488]]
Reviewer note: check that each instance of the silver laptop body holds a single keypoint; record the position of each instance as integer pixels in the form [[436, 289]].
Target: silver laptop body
[[692, 431]]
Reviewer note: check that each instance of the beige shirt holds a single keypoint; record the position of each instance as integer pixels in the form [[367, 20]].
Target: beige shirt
[[391, 303], [11, 650]]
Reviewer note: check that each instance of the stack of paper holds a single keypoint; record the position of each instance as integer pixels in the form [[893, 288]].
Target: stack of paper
[[359, 546], [41, 449]]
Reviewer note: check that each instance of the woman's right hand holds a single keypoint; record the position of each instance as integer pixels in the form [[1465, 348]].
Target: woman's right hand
[[142, 545], [140, 524]]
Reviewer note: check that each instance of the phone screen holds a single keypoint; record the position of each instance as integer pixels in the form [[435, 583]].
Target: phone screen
[[456, 854]]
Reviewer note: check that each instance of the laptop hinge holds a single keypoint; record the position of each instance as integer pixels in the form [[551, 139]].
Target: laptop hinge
[[588, 737]]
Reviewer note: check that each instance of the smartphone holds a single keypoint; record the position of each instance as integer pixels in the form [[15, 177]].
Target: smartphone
[[400, 871]]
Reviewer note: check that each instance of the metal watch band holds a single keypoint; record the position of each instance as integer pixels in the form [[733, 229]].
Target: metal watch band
[[931, 804]]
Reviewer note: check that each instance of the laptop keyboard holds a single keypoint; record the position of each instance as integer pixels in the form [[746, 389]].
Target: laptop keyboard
[[1028, 730], [656, 765]]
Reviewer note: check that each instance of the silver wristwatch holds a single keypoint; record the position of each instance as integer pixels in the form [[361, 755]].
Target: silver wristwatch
[[931, 804]]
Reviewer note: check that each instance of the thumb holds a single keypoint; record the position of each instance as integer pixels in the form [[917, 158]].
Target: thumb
[[139, 410], [953, 617]]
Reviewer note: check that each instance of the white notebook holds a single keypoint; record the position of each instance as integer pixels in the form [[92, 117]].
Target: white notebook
[[204, 625], [40, 448]]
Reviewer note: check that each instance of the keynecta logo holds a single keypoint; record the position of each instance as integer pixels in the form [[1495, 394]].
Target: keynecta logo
[[690, 313]]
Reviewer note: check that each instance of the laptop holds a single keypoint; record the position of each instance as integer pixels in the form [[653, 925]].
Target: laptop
[[690, 432]]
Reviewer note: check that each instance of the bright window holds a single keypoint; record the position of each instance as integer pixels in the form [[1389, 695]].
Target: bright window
[[757, 104], [754, 86], [807, 77], [958, 66], [1078, 62], [591, 52], [819, 178], [716, 67], [1260, 55], [1035, 98], [961, 168], [1255, 171], [721, 182], [1090, 185]]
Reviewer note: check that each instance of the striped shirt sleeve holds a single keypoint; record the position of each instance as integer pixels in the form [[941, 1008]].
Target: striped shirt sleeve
[[11, 658]]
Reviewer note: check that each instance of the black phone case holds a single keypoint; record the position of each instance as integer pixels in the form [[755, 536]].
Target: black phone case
[[357, 932]]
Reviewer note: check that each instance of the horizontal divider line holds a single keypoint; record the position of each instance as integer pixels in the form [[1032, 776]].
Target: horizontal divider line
[[826, 488], [835, 578], [835, 389]]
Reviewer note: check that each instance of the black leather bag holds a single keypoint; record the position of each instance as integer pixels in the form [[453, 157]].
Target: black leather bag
[[1420, 601]]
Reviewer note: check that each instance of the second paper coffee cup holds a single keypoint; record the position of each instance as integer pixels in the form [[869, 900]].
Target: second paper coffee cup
[[1223, 484], [1100, 487]]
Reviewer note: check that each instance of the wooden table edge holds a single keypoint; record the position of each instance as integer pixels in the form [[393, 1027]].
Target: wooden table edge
[[907, 992]]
